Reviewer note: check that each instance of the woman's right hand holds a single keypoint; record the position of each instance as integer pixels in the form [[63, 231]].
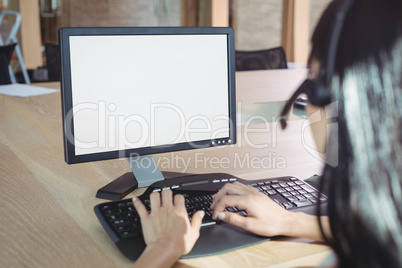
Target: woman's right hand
[[264, 216]]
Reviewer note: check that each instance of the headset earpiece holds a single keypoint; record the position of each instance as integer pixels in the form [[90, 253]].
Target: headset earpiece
[[318, 90]]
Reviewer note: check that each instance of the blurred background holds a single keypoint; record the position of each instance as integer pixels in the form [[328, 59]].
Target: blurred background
[[259, 24]]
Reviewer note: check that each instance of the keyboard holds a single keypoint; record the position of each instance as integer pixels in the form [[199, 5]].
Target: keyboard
[[122, 223]]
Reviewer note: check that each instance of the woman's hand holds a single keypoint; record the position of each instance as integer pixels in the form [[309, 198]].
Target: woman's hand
[[168, 224], [265, 217]]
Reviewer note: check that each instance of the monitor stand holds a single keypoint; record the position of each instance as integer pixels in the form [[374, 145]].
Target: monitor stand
[[145, 171]]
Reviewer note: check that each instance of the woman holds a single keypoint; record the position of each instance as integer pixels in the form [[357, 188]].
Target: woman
[[365, 189]]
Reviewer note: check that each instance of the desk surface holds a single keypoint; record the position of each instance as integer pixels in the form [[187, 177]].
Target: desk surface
[[46, 206]]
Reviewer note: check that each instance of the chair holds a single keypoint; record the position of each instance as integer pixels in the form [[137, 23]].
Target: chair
[[274, 58], [12, 38], [5, 57], [52, 53]]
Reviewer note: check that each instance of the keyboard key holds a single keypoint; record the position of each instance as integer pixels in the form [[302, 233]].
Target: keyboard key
[[287, 205], [302, 203], [130, 233], [112, 217], [308, 188], [266, 188], [291, 198], [122, 228], [271, 192], [119, 221], [276, 201], [308, 196], [231, 209], [242, 213], [108, 212]]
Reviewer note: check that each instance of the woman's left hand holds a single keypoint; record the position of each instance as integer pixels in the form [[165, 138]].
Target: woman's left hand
[[168, 222]]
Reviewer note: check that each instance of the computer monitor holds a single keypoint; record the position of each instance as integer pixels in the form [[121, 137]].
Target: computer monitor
[[137, 91]]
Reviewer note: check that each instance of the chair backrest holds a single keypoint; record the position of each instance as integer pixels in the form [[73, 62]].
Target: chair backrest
[[52, 53], [5, 57], [273, 58], [12, 38], [12, 35]]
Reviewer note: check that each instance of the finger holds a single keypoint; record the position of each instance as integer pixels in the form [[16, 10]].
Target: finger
[[140, 208], [234, 219], [196, 220], [235, 188], [228, 188], [194, 232], [179, 201], [229, 201], [167, 200], [155, 200]]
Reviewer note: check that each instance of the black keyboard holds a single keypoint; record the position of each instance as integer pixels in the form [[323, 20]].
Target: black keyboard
[[122, 222]]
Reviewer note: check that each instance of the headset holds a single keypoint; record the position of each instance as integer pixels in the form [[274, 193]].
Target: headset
[[318, 89]]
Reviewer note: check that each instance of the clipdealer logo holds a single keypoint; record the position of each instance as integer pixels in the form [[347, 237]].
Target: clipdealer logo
[[203, 161]]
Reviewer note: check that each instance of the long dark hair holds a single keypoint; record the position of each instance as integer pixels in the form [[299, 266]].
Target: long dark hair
[[365, 188]]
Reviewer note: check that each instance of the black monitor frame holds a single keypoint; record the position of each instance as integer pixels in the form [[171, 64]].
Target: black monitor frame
[[67, 100]]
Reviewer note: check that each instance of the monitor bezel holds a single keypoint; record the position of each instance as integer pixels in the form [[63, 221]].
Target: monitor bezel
[[66, 89]]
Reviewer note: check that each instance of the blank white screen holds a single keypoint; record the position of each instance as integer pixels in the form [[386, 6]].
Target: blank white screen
[[140, 91]]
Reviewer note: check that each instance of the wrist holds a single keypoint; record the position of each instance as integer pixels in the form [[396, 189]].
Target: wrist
[[299, 224], [168, 248], [291, 224], [159, 254]]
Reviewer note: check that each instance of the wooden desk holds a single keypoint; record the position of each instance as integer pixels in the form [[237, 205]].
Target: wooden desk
[[46, 206]]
